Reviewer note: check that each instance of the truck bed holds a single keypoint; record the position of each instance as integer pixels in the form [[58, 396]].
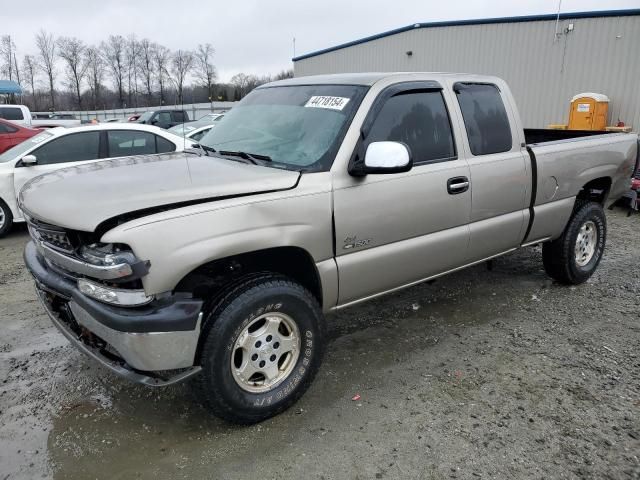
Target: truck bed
[[542, 135]]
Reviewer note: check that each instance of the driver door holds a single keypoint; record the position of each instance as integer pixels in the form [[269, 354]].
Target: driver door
[[61, 152], [396, 229]]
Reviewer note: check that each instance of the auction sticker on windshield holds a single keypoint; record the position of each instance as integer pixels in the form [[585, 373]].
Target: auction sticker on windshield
[[333, 103]]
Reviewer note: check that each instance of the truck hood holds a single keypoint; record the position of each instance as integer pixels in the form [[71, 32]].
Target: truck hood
[[82, 197]]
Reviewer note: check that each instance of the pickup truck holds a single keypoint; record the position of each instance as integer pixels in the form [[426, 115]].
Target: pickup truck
[[164, 118], [314, 194]]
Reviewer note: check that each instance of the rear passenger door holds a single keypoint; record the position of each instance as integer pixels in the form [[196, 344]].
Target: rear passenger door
[[396, 229], [497, 163]]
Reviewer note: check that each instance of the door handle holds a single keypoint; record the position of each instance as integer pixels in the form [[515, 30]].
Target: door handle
[[457, 185]]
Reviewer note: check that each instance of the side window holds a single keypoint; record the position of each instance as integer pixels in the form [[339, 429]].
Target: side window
[[70, 148], [485, 118], [164, 145], [418, 119], [7, 128], [130, 142], [164, 118], [179, 117], [11, 113]]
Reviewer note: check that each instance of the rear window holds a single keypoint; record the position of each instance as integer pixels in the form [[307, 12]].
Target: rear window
[[485, 118], [9, 113]]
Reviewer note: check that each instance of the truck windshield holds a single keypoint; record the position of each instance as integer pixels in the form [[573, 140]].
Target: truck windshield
[[145, 116], [299, 127]]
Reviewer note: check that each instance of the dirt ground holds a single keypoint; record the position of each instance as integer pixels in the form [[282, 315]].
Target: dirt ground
[[483, 374]]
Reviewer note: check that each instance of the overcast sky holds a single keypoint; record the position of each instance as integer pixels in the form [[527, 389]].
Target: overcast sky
[[254, 36]]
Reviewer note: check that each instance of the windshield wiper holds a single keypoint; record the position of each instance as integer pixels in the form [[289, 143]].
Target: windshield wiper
[[198, 148], [247, 156]]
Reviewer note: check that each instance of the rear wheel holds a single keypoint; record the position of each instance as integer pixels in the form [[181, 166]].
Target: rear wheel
[[262, 346], [574, 257], [6, 219]]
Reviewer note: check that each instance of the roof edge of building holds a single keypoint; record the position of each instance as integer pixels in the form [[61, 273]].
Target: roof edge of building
[[478, 21]]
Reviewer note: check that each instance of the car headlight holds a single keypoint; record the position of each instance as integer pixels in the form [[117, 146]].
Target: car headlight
[[113, 296], [107, 255]]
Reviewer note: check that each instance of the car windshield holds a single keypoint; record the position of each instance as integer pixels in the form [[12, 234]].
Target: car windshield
[[20, 149], [298, 127]]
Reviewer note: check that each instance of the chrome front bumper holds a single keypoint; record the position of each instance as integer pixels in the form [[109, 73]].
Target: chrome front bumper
[[137, 349], [154, 345]]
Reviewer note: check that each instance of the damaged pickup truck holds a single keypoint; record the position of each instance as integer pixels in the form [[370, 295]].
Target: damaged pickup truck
[[313, 194]]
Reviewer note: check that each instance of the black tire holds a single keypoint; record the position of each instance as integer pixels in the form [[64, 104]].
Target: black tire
[[7, 216], [239, 308], [559, 256]]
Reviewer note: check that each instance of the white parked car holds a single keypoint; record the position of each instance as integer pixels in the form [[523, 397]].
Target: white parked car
[[58, 148], [193, 131]]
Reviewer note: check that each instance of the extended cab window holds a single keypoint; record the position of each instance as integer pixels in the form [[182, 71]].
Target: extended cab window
[[70, 148], [485, 118], [420, 120]]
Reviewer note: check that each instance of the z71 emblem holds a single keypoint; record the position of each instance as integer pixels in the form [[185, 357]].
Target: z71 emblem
[[353, 242]]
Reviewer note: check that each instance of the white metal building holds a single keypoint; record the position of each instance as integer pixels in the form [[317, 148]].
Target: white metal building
[[546, 59]]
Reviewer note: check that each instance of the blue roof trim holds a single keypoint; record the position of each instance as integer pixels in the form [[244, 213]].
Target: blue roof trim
[[479, 21], [7, 87]]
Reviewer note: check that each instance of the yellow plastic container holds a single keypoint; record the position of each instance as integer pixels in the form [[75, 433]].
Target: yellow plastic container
[[589, 111]]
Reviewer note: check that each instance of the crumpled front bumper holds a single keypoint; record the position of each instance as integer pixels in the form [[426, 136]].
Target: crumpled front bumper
[[154, 345]]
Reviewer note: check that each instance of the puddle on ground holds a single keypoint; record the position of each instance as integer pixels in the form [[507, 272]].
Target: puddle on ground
[[128, 431]]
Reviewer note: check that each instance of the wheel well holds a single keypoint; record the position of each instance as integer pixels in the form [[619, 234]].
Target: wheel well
[[596, 190], [211, 278]]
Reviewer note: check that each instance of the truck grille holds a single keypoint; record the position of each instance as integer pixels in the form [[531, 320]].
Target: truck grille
[[51, 235]]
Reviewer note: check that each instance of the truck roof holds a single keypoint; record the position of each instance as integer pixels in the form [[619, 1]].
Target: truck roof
[[370, 78]]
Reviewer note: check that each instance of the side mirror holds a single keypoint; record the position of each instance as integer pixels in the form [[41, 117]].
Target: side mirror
[[384, 157], [29, 160]]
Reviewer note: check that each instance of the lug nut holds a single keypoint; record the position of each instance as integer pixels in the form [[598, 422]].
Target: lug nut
[[258, 343], [269, 337], [262, 364], [272, 358], [276, 345], [254, 357]]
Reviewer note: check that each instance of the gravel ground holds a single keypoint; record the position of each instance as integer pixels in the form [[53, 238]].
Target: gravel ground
[[483, 374]]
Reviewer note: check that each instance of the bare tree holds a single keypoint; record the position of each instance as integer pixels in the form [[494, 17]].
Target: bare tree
[[95, 73], [161, 55], [16, 67], [7, 49], [29, 72], [131, 61], [114, 56], [147, 65], [243, 83], [72, 51], [182, 63], [47, 53], [204, 68]]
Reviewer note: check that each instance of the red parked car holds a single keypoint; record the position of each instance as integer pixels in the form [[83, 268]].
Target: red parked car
[[11, 134]]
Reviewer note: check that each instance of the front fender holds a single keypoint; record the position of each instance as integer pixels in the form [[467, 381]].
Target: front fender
[[179, 241]]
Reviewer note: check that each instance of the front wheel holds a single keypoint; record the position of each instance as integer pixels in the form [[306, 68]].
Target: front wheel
[[261, 349], [574, 257], [6, 219]]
